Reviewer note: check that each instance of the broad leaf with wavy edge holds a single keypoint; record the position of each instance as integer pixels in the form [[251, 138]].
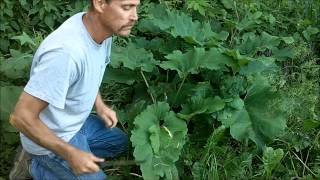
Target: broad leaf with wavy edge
[[198, 105], [194, 59], [158, 138], [180, 24], [259, 119], [133, 58]]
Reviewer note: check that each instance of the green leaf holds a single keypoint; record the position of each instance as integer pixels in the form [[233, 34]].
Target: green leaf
[[17, 66], [288, 40], [216, 59], [163, 46], [125, 76], [197, 169], [184, 64], [310, 31], [202, 89], [272, 19], [133, 58], [269, 41], [250, 21], [271, 159], [236, 55], [198, 105], [23, 2], [180, 24], [283, 54], [260, 65], [155, 138], [49, 20], [158, 138], [193, 60], [198, 5], [310, 124], [261, 119], [237, 103], [146, 25], [8, 98], [253, 43], [222, 36], [24, 39], [228, 4]]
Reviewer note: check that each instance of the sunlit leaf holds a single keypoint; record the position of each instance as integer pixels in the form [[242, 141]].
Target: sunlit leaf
[[24, 39], [271, 158], [158, 138]]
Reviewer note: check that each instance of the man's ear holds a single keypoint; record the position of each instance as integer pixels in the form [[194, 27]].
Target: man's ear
[[98, 5]]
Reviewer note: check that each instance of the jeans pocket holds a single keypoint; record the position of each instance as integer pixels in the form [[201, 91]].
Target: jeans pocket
[[51, 167]]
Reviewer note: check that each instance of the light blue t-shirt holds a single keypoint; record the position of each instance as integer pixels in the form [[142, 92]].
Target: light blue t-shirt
[[66, 72]]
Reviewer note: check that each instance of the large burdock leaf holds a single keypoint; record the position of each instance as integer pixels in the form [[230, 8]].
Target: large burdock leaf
[[120, 75], [182, 25], [184, 64], [250, 21], [260, 119], [194, 59], [198, 105], [133, 58], [254, 44], [158, 138]]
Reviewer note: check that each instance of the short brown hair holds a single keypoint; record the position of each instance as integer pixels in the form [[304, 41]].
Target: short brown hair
[[91, 3]]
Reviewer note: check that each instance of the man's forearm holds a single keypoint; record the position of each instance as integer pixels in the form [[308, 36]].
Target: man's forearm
[[38, 132], [99, 101]]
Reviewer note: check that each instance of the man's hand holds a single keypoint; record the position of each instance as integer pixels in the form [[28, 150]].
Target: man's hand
[[108, 115], [83, 162]]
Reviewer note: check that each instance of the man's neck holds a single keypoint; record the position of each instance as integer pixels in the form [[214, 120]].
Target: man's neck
[[94, 27]]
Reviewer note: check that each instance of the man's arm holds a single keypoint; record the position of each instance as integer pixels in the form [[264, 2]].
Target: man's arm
[[26, 119], [106, 113]]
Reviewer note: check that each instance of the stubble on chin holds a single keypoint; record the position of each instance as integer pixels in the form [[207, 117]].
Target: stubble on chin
[[124, 33], [124, 30]]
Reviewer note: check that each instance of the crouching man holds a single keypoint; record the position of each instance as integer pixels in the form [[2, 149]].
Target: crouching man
[[62, 138]]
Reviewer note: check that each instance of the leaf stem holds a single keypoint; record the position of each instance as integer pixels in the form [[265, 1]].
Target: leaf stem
[[236, 10], [175, 98], [304, 164], [147, 84]]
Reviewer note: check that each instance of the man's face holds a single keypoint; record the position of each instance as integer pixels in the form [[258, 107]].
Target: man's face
[[119, 16]]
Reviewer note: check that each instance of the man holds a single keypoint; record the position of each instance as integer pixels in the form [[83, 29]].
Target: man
[[53, 112]]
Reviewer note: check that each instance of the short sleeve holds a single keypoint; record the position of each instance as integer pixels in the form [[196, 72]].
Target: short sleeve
[[51, 77]]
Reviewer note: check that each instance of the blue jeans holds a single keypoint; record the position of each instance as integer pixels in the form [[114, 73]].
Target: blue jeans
[[93, 137]]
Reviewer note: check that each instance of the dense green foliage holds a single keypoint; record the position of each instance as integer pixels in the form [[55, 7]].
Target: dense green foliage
[[217, 89]]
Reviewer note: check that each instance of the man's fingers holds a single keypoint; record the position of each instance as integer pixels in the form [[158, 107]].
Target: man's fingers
[[93, 167], [114, 120], [111, 121], [107, 120], [96, 159]]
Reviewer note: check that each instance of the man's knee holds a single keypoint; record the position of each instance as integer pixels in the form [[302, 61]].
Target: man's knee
[[123, 141]]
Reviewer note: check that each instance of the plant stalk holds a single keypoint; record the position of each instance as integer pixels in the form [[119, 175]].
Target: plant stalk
[[175, 98], [147, 84], [304, 164]]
